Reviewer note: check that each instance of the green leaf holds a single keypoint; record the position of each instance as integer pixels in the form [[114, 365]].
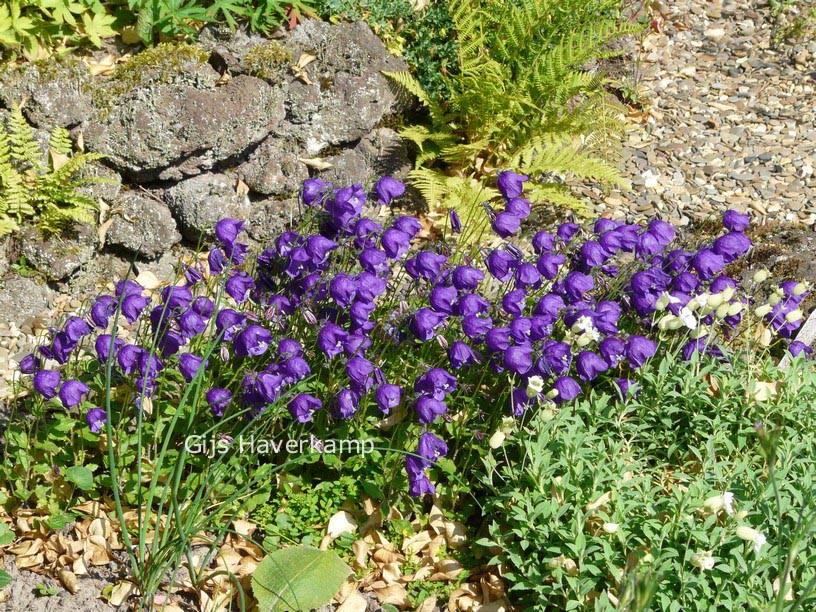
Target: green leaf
[[80, 476], [5, 579], [298, 578], [6, 538]]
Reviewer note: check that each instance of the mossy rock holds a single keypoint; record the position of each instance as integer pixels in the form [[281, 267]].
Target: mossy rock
[[164, 64]]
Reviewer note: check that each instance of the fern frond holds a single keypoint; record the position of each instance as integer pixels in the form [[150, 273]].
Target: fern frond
[[25, 151], [408, 82], [432, 185], [559, 195], [553, 153], [60, 141]]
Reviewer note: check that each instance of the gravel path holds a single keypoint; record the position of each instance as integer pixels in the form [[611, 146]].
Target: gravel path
[[730, 121]]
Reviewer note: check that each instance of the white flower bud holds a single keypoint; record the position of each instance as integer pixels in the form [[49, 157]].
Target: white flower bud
[[715, 300], [774, 299], [760, 276], [552, 394], [535, 385], [761, 311], [699, 332], [583, 340], [749, 534], [665, 321], [497, 439], [735, 308], [728, 293], [793, 316], [610, 527], [722, 310], [799, 289]]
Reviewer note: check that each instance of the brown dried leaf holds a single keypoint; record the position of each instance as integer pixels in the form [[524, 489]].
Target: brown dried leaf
[[455, 534], [102, 231], [318, 163], [58, 160], [428, 605], [391, 573], [449, 568], [342, 522], [384, 556], [416, 542], [393, 594], [764, 391], [600, 502], [68, 580], [361, 549], [354, 603]]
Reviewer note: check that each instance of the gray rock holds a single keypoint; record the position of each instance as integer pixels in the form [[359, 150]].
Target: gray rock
[[57, 257], [144, 226], [200, 202], [348, 94], [380, 153], [273, 168], [270, 218], [5, 264], [23, 297], [227, 48], [57, 92], [106, 189], [172, 131]]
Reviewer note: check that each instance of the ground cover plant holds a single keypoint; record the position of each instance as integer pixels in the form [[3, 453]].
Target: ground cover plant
[[422, 356]]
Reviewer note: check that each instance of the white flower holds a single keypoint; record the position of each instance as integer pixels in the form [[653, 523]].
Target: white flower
[[749, 534], [728, 503], [688, 318], [610, 527], [704, 560], [585, 324], [535, 385], [664, 300], [650, 179]]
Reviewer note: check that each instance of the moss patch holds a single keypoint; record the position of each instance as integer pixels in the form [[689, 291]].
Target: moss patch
[[269, 61]]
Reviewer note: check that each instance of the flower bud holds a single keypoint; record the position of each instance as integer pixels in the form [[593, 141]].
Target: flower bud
[[774, 299], [760, 276], [610, 527], [728, 293], [703, 560], [722, 310], [552, 394], [699, 332], [535, 385], [497, 439], [583, 340], [793, 316], [714, 300], [735, 308], [761, 311], [749, 534], [799, 289]]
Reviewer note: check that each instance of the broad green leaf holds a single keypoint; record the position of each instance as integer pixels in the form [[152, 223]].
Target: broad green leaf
[[80, 476], [6, 537], [298, 578], [5, 579]]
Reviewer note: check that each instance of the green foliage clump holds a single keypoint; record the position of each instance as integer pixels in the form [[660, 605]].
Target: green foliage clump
[[268, 61], [30, 189], [35, 26], [520, 99], [423, 38], [679, 498]]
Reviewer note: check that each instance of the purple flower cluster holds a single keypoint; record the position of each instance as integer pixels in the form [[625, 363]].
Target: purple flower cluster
[[541, 320]]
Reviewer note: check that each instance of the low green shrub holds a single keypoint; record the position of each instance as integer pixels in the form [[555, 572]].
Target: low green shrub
[[694, 494]]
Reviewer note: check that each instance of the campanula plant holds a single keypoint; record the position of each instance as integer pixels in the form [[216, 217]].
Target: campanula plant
[[352, 327]]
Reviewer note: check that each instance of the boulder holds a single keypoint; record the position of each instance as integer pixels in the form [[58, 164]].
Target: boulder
[[273, 168], [171, 131], [200, 202], [56, 92], [143, 226], [272, 217], [23, 297], [107, 189], [57, 257], [380, 153], [343, 94]]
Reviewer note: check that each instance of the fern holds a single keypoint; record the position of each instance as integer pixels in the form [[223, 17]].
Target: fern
[[520, 100], [29, 189]]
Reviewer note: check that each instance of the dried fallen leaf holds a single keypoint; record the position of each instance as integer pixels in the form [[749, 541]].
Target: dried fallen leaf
[[58, 160], [764, 391], [241, 188], [68, 580], [318, 163], [148, 280], [427, 605], [393, 594], [354, 603], [600, 502], [341, 522], [121, 592]]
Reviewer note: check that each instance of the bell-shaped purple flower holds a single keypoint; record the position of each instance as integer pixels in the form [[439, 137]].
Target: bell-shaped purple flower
[[30, 364], [639, 349], [707, 263], [441, 298], [218, 400], [133, 305], [735, 221], [330, 339], [102, 346], [497, 339], [798, 347], [506, 224], [303, 406], [467, 278], [96, 419], [103, 308], [346, 403], [732, 246], [428, 408], [395, 242], [593, 254], [229, 322], [252, 341], [217, 261], [527, 276], [475, 326], [238, 286], [424, 323], [127, 357], [343, 290], [361, 372], [388, 188], [471, 304], [177, 297], [46, 383], [435, 382], [566, 231], [589, 365], [374, 260], [511, 184], [519, 207], [312, 188], [191, 324], [612, 350], [71, 392], [76, 329], [568, 389], [189, 366], [519, 359], [556, 358], [501, 264], [460, 354], [577, 284], [388, 396], [456, 222], [549, 264], [431, 447], [418, 482], [227, 230], [369, 286], [514, 301]]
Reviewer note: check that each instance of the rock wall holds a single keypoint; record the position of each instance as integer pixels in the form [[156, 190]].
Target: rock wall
[[187, 129]]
